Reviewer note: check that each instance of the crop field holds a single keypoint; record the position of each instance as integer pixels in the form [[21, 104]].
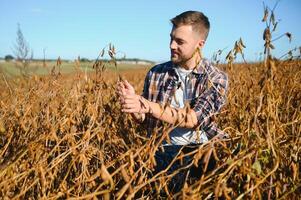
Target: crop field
[[12, 69], [63, 135]]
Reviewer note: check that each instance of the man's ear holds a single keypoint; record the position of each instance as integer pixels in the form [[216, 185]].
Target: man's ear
[[201, 43]]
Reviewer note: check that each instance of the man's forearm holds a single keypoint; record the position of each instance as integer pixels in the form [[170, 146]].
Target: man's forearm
[[181, 116], [139, 106]]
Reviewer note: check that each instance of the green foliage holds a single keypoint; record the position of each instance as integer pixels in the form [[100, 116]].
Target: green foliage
[[8, 58]]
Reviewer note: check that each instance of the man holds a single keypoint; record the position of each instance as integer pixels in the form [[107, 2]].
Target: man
[[194, 89]]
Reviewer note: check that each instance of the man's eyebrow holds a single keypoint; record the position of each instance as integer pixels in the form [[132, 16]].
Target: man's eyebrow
[[179, 39]]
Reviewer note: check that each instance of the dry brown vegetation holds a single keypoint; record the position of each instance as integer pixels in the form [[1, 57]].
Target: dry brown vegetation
[[65, 137]]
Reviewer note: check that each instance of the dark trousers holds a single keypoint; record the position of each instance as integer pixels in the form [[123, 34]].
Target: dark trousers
[[164, 158]]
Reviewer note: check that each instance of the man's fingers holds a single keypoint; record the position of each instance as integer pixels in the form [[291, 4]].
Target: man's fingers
[[129, 87], [125, 87], [121, 100], [127, 84], [120, 85], [127, 98], [127, 104], [120, 93], [131, 101], [129, 110], [121, 90], [131, 96]]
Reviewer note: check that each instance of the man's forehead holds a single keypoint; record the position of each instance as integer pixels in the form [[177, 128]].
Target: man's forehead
[[183, 27], [183, 32]]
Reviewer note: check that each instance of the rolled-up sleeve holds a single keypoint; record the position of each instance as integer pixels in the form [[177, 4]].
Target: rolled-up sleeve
[[210, 102]]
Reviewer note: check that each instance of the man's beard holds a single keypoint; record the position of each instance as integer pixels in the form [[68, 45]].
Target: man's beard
[[182, 60], [177, 59]]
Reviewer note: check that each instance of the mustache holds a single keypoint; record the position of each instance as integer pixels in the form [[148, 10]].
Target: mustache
[[174, 52]]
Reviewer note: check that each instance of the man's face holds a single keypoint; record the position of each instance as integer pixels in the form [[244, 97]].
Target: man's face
[[183, 43]]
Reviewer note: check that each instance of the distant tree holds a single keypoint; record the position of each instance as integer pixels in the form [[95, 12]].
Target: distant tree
[[84, 60], [22, 53], [8, 58]]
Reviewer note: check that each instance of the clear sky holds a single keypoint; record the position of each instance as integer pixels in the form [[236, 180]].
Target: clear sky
[[140, 28]]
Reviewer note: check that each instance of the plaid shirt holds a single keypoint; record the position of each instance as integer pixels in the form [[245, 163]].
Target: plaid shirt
[[206, 93]]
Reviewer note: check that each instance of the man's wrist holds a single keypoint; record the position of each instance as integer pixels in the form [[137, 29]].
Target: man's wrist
[[147, 106]]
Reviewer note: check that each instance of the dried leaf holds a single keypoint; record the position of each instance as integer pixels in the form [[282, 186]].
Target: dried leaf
[[125, 175], [275, 26], [102, 52], [229, 56], [106, 176], [272, 18], [257, 167], [272, 46], [2, 128], [267, 34], [289, 35], [266, 14], [241, 43]]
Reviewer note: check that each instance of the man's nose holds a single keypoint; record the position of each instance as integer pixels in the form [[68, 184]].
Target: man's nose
[[173, 44]]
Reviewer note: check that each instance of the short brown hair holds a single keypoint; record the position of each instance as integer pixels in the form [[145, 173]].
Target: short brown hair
[[198, 20]]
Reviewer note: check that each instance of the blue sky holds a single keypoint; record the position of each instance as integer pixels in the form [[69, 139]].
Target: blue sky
[[140, 29]]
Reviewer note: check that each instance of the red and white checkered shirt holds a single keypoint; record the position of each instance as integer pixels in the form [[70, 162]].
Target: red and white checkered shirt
[[206, 93]]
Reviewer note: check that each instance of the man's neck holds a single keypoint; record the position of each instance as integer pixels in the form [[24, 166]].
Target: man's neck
[[191, 63]]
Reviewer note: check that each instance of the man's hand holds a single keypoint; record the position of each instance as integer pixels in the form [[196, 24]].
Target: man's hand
[[139, 106], [133, 103], [130, 102], [125, 88]]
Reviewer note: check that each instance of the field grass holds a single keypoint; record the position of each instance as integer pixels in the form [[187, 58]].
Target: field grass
[[64, 136], [12, 69]]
